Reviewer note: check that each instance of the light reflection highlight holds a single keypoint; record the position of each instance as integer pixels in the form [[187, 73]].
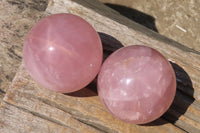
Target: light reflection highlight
[[51, 48]]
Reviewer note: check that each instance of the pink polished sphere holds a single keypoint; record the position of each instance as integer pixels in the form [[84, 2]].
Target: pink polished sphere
[[136, 84], [63, 53]]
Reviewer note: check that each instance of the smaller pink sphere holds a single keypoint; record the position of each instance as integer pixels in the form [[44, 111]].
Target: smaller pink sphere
[[137, 84], [63, 53]]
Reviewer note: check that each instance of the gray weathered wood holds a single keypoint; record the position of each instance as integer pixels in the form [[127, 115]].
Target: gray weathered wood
[[84, 107], [16, 19], [18, 120]]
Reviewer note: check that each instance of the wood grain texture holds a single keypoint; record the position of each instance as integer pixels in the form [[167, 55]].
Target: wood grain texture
[[185, 61], [182, 13], [108, 21], [87, 109], [82, 111], [18, 120], [16, 18]]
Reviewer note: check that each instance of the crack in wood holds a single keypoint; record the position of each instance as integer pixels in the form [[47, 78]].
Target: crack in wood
[[2, 92], [75, 114], [41, 116], [96, 126], [80, 117], [89, 120], [12, 53], [39, 5], [38, 114], [177, 126]]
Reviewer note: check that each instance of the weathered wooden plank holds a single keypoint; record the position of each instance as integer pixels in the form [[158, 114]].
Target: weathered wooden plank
[[84, 107], [128, 32], [184, 114], [23, 83], [17, 120], [181, 22], [16, 18]]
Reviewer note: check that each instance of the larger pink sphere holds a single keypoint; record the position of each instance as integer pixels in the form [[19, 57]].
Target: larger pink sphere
[[137, 84], [63, 53]]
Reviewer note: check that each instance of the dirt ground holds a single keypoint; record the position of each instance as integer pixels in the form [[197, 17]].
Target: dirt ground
[[176, 19]]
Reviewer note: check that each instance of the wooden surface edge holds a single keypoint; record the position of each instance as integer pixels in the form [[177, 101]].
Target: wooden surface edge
[[26, 94]]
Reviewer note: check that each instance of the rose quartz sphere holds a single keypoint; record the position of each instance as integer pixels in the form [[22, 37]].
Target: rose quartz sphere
[[63, 53], [136, 84]]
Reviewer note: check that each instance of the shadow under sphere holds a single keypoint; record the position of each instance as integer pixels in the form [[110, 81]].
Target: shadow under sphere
[[183, 98], [135, 15], [110, 44], [184, 94]]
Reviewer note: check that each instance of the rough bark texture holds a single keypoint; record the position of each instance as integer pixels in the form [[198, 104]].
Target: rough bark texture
[[26, 107]]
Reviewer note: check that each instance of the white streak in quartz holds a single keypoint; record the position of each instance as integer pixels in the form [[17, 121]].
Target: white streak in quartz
[[57, 76], [150, 111], [113, 74], [135, 116], [161, 68], [149, 87], [138, 70], [124, 93]]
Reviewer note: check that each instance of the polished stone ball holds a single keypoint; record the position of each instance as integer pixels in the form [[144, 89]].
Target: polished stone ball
[[137, 84], [63, 53]]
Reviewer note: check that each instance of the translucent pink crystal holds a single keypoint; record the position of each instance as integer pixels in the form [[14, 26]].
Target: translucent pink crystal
[[63, 53], [137, 84]]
